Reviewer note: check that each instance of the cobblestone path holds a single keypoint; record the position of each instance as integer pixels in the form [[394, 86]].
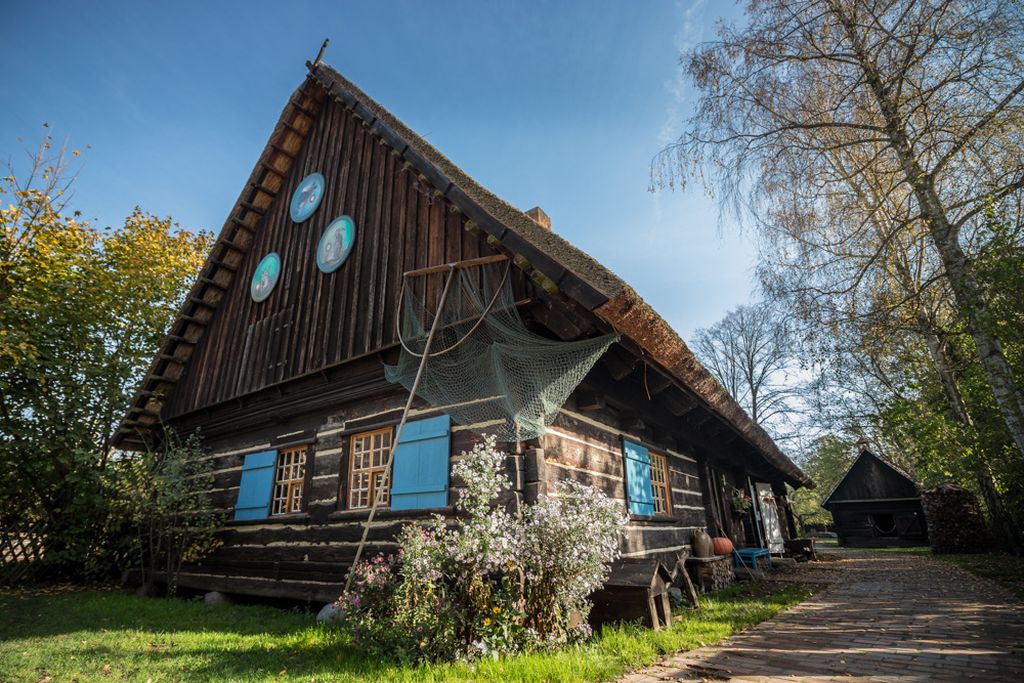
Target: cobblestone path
[[884, 617]]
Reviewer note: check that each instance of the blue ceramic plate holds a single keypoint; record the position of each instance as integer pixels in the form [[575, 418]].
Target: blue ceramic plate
[[265, 278], [307, 197], [335, 244]]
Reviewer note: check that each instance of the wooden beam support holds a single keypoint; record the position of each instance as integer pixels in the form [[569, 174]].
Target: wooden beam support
[[242, 224], [655, 381], [222, 264], [632, 423], [589, 400], [281, 150], [264, 189], [249, 206], [308, 112], [677, 402], [618, 367], [273, 169], [201, 302], [212, 283]]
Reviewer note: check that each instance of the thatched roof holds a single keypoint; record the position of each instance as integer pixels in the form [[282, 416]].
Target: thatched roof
[[551, 259], [623, 308]]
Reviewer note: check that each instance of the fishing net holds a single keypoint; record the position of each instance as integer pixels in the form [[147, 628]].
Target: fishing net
[[484, 367]]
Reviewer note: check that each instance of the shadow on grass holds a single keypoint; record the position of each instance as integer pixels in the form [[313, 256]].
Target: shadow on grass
[[107, 635]]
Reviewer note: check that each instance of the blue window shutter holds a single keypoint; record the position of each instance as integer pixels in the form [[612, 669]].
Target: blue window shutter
[[638, 479], [420, 470], [257, 483]]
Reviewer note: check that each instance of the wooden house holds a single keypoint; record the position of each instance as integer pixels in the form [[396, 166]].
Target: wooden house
[[277, 358], [877, 504]]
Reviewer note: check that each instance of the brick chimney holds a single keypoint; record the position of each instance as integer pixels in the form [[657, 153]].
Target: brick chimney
[[539, 217]]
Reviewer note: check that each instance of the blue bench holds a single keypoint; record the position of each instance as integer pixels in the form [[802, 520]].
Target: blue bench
[[748, 557]]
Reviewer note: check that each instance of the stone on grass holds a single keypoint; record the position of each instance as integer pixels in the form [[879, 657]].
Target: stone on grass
[[329, 613], [216, 598]]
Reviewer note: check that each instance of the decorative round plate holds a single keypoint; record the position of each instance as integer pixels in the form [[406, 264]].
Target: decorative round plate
[[335, 244], [265, 278], [307, 197]]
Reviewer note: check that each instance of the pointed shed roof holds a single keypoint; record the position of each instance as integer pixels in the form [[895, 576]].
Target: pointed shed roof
[[863, 455]]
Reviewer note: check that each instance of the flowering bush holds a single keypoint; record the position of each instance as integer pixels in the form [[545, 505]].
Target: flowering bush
[[489, 582], [567, 542]]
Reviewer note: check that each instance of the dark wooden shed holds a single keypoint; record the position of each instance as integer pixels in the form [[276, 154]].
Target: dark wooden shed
[[877, 504]]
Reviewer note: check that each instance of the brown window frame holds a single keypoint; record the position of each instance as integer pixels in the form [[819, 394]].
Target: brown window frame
[[373, 472], [296, 490], [661, 490]]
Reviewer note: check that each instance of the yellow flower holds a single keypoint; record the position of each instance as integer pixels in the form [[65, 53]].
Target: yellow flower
[[510, 565], [423, 644], [487, 621], [496, 610]]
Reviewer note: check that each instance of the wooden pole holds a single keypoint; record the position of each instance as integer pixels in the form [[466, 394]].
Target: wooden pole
[[320, 55], [401, 423]]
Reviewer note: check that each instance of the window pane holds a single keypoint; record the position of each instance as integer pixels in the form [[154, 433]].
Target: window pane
[[369, 457], [289, 477]]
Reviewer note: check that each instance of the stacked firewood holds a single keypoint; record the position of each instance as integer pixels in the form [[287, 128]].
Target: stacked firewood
[[955, 522]]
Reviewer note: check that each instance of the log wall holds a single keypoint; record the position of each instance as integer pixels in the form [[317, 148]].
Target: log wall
[[305, 556], [588, 449]]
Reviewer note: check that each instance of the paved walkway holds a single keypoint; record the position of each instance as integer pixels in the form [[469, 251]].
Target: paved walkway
[[884, 618]]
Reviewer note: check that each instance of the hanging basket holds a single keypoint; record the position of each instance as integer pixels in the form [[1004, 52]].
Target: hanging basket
[[740, 501]]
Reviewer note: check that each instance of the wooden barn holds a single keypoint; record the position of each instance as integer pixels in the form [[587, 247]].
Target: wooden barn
[[279, 357], [877, 504]]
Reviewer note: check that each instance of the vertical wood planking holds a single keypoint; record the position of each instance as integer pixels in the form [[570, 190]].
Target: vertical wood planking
[[313, 319]]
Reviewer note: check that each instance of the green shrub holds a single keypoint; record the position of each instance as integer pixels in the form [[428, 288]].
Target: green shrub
[[488, 583]]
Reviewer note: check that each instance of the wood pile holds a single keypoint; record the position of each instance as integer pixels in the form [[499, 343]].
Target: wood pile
[[955, 521], [710, 573]]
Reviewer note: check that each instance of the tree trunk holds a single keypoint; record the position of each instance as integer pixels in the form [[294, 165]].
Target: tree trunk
[[980, 465], [945, 237]]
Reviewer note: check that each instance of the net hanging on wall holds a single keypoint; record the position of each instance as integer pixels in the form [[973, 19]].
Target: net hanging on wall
[[484, 367]]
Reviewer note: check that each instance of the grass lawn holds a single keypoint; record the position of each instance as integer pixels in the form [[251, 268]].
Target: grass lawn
[[1004, 569], [93, 635]]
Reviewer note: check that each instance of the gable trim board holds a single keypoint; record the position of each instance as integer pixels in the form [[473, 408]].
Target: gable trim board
[[549, 260]]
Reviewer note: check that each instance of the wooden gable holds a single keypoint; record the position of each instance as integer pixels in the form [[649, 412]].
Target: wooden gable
[[871, 478], [312, 319]]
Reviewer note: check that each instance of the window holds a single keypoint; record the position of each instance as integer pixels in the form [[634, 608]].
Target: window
[[659, 484], [647, 488], [368, 458], [289, 481]]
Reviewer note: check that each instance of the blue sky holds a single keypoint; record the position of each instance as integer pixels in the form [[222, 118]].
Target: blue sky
[[555, 104]]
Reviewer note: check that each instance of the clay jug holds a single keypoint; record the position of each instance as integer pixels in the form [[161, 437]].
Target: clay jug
[[700, 542], [720, 545]]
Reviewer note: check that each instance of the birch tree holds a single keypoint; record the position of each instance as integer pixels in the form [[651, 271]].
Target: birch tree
[[813, 98]]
